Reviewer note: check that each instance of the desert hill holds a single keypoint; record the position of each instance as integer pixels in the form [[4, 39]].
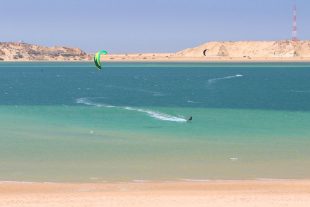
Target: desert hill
[[19, 51], [212, 51], [241, 51], [250, 49]]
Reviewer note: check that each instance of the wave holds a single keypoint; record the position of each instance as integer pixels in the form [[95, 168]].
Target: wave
[[300, 91], [214, 80], [192, 102], [154, 114], [158, 94]]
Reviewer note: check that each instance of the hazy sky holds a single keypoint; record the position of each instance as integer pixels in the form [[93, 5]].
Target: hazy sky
[[121, 26]]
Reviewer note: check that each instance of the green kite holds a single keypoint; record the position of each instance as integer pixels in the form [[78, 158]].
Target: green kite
[[97, 58]]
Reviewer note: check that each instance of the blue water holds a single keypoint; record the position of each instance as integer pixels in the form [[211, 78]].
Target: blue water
[[69, 122], [256, 86]]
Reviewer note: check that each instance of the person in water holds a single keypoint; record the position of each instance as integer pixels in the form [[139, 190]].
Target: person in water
[[190, 118]]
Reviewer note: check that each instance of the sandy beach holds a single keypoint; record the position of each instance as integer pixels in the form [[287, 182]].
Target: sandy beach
[[172, 58], [267, 193], [240, 51]]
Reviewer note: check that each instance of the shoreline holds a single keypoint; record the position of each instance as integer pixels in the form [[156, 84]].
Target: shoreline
[[146, 181], [107, 59], [208, 60], [292, 193]]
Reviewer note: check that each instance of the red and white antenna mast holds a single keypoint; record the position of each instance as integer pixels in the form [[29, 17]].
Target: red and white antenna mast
[[294, 32]]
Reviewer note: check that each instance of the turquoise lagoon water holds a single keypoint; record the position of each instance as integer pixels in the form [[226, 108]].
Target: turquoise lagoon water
[[69, 122]]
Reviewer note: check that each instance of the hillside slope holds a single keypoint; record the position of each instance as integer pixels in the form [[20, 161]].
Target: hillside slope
[[12, 51], [250, 49]]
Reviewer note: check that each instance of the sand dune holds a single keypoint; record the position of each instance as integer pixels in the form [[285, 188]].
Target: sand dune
[[230, 51], [250, 49]]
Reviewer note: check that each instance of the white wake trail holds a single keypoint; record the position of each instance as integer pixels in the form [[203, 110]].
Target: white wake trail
[[154, 114], [88, 102], [214, 80]]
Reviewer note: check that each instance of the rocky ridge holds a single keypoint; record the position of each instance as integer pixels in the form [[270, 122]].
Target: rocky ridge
[[19, 51]]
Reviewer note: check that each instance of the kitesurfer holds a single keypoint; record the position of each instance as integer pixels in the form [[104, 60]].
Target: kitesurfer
[[190, 119]]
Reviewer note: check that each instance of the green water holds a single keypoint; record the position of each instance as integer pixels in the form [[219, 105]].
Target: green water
[[69, 123]]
